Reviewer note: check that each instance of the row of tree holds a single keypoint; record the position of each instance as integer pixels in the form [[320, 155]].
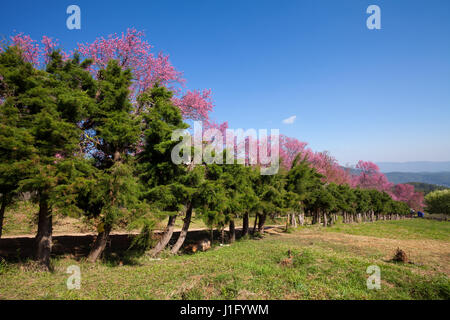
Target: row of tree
[[82, 136], [75, 143]]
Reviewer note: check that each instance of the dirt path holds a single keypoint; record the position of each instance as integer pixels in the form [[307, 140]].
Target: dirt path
[[79, 244], [121, 233]]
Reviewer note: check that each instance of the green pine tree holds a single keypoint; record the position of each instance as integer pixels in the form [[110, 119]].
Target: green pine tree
[[49, 105], [169, 187], [111, 134]]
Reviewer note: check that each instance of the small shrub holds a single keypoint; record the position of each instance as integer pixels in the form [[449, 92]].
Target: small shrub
[[143, 241], [400, 256], [287, 261]]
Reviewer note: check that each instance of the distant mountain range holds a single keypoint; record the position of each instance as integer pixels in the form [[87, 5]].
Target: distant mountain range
[[437, 178], [415, 166], [436, 173]]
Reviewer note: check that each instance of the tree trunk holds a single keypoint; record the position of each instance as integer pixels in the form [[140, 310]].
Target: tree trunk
[[222, 234], [325, 220], [165, 238], [43, 238], [245, 224], [2, 213], [293, 221], [100, 244], [301, 219], [333, 219], [232, 231], [315, 218], [256, 221], [184, 230], [261, 222]]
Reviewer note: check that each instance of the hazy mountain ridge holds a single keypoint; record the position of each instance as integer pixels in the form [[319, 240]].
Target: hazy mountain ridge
[[415, 166], [437, 178], [426, 187]]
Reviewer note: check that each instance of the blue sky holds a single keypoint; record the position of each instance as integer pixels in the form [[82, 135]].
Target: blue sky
[[379, 95]]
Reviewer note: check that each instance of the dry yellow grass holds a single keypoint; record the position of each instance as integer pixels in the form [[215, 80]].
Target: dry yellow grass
[[432, 253]]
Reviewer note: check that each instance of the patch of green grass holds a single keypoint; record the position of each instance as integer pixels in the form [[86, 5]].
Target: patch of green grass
[[401, 229], [192, 294], [289, 230], [3, 266], [303, 259]]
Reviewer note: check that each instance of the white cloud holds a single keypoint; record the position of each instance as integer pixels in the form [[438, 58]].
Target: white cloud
[[290, 120]]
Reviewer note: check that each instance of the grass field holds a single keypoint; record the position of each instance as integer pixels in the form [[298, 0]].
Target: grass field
[[413, 229], [326, 264]]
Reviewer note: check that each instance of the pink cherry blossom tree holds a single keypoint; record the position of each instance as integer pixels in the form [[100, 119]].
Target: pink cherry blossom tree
[[323, 162], [289, 149], [370, 177], [32, 51], [328, 166], [195, 105], [407, 194], [135, 53]]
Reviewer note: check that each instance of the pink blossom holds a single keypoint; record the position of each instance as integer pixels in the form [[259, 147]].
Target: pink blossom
[[195, 105], [29, 47], [289, 149], [50, 45], [135, 53], [32, 52], [370, 177], [407, 194]]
